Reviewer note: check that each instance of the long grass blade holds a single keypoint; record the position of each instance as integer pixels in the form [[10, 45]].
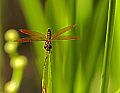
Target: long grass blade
[[35, 19], [108, 47], [115, 64], [47, 75]]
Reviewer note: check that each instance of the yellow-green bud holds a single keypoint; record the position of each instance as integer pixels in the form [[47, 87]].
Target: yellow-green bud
[[11, 35], [11, 87], [10, 47], [18, 62]]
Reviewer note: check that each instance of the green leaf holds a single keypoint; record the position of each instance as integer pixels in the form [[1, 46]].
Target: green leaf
[[108, 46]]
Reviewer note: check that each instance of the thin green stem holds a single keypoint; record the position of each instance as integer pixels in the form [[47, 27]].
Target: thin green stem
[[44, 75], [108, 47], [47, 75]]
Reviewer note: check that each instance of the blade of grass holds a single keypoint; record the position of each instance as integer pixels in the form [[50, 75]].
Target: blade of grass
[[36, 21], [45, 75], [108, 47], [57, 9], [118, 91], [34, 15], [95, 42], [71, 56], [115, 64], [49, 74], [90, 41]]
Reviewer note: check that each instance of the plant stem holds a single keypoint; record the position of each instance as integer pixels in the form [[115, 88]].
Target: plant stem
[[108, 47], [49, 74], [35, 19]]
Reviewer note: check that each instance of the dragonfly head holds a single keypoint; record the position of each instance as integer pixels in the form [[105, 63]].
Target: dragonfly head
[[49, 30]]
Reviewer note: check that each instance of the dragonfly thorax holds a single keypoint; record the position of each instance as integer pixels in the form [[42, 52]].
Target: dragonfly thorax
[[48, 45]]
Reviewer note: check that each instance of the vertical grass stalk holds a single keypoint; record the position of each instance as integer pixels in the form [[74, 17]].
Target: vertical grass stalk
[[47, 75], [44, 76], [108, 47], [35, 19]]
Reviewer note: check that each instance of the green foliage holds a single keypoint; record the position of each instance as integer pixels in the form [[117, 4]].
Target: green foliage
[[88, 65], [108, 47], [75, 64]]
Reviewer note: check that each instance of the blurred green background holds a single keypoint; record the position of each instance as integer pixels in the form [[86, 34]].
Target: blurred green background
[[88, 65]]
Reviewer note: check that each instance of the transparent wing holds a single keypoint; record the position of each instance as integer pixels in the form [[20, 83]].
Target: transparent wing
[[28, 32], [61, 31], [67, 38], [29, 39]]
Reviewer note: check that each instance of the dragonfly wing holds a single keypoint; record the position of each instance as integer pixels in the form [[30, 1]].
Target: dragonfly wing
[[61, 31], [38, 34], [68, 38], [23, 40], [29, 39]]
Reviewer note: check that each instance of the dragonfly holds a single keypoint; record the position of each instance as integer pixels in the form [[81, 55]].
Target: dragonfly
[[38, 36], [48, 38]]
